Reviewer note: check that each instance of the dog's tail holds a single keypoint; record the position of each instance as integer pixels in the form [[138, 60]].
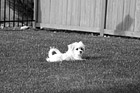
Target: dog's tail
[[53, 51]]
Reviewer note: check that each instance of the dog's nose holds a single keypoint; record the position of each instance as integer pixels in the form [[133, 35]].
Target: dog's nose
[[80, 52]]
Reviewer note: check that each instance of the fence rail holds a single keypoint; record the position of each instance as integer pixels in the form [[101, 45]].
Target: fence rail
[[16, 12]]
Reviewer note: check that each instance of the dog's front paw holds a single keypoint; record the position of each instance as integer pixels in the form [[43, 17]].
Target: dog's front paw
[[48, 59]]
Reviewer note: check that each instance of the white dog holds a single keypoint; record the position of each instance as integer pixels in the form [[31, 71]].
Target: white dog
[[75, 52]]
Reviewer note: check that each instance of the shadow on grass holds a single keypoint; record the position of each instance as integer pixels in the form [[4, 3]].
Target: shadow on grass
[[93, 57]]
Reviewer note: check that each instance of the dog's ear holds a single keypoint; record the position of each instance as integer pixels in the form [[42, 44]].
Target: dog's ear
[[70, 46], [80, 42]]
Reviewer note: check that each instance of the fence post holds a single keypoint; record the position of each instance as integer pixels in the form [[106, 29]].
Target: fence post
[[35, 13], [102, 22]]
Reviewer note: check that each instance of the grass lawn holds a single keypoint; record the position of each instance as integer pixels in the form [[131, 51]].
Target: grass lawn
[[112, 64]]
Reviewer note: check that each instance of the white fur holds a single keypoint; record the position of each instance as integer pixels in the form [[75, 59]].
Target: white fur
[[75, 51]]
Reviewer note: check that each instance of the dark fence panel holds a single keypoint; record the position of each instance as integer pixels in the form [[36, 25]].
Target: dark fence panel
[[15, 13]]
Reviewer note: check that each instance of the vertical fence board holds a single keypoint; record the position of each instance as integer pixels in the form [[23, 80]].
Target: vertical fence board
[[64, 11], [69, 11], [4, 12], [137, 16], [82, 20], [38, 16], [88, 12], [59, 11], [114, 13], [35, 13], [119, 15], [85, 13], [10, 13], [14, 14], [109, 15], [45, 13], [53, 12], [132, 14], [102, 19], [47, 10], [92, 11], [75, 13], [126, 15], [0, 11], [97, 13]]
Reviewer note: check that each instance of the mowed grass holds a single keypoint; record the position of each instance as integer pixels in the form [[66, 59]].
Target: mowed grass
[[112, 64]]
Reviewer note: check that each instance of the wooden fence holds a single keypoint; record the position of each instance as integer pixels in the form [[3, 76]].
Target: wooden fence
[[115, 17]]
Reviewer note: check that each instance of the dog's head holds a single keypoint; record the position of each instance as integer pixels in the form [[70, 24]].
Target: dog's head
[[77, 48]]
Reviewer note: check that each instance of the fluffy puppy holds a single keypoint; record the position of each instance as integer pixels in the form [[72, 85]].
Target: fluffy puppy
[[75, 52]]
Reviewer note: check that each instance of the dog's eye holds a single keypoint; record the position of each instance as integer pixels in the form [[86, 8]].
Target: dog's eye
[[82, 49], [53, 52], [76, 48]]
